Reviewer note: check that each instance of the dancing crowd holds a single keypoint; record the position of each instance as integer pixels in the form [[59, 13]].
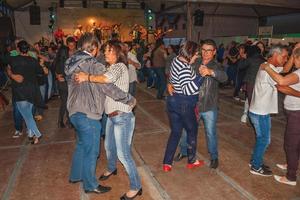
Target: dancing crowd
[[96, 84]]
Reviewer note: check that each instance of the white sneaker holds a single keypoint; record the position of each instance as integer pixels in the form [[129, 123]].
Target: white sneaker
[[283, 179], [17, 134], [244, 118], [282, 166], [236, 98]]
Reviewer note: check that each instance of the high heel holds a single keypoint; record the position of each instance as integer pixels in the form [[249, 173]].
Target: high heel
[[36, 140], [125, 197], [167, 168], [197, 163], [104, 177]]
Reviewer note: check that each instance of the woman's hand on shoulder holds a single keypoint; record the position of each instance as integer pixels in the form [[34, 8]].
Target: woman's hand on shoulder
[[81, 77]]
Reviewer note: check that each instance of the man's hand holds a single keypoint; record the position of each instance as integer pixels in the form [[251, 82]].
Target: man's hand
[[170, 89], [132, 102], [18, 78], [81, 77], [205, 71], [263, 66], [60, 77]]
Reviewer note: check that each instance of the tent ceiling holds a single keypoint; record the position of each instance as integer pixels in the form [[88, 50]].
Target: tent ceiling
[[242, 8]]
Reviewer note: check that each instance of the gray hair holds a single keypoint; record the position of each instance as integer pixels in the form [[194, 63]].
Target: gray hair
[[297, 52], [88, 42], [278, 48]]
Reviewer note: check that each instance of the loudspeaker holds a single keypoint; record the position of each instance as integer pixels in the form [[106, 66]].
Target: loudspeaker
[[84, 3], [143, 5], [61, 3], [105, 4], [262, 21], [123, 4], [35, 15], [198, 17]]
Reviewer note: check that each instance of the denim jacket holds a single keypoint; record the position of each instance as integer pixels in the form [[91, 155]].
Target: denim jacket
[[89, 97]]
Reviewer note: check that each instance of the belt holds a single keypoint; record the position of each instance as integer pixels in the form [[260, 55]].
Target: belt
[[113, 114]]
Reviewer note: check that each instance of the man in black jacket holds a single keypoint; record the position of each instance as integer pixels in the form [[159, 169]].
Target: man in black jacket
[[208, 100], [62, 55]]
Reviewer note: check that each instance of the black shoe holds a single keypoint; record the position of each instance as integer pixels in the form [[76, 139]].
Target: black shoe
[[125, 197], [266, 167], [73, 182], [179, 157], [214, 164], [99, 190], [261, 171], [105, 177]]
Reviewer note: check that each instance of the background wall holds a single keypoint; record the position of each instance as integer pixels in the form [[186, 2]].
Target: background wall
[[32, 33]]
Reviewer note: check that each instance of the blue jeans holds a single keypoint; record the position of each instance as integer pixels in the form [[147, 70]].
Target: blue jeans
[[25, 108], [210, 124], [87, 150], [181, 112], [50, 86], [161, 83], [262, 125], [118, 138], [37, 109], [152, 78], [18, 119]]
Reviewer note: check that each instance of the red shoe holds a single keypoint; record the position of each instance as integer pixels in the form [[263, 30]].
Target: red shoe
[[197, 163], [167, 168]]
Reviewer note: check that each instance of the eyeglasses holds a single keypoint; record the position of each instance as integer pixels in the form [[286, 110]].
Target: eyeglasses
[[207, 50]]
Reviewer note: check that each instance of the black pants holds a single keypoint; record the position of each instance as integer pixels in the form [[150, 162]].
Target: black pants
[[292, 143], [63, 93]]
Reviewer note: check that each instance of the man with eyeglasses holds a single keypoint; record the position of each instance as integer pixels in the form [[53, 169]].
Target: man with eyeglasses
[[208, 100]]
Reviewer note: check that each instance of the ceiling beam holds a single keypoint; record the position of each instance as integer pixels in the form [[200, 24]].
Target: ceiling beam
[[171, 8], [273, 3]]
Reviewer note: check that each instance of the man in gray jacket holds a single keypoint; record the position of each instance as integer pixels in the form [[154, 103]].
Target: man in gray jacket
[[85, 105]]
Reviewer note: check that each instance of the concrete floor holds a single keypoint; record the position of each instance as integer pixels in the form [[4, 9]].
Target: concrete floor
[[40, 172]]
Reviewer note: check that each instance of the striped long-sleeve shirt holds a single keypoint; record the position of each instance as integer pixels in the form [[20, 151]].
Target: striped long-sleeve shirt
[[184, 79], [118, 75]]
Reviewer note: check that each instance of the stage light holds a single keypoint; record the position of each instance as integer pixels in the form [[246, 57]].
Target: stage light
[[91, 21]]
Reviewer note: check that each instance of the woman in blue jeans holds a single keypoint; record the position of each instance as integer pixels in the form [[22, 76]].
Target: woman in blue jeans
[[23, 71], [85, 105], [181, 105], [120, 121]]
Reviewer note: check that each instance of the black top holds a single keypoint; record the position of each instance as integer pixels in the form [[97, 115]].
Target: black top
[[29, 68]]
